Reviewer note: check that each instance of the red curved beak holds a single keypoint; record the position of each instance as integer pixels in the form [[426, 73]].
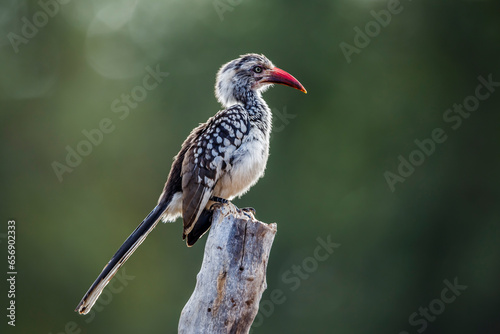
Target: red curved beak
[[278, 76]]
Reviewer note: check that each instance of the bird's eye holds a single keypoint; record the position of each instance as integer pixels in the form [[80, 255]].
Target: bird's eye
[[257, 69]]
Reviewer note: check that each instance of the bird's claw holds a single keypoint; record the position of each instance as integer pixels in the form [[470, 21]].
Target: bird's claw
[[249, 212]]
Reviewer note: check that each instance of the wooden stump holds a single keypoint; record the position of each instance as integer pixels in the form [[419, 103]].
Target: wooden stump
[[232, 277]]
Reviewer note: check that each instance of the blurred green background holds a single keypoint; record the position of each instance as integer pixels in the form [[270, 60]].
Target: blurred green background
[[66, 66]]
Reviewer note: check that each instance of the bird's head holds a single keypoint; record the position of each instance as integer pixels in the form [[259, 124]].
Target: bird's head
[[251, 73]]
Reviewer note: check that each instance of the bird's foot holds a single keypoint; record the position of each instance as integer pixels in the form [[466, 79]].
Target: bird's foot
[[249, 212], [220, 202]]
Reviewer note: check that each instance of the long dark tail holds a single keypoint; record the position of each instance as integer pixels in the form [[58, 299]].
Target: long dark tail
[[128, 247]]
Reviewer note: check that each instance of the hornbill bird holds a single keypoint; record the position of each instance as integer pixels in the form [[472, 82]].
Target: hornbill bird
[[219, 160]]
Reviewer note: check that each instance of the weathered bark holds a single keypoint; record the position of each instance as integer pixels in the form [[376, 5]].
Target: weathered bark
[[232, 277]]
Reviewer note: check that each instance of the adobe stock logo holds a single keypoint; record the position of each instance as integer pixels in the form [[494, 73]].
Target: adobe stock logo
[[294, 278], [436, 306], [372, 29], [427, 146], [40, 19], [116, 286], [121, 108], [283, 117], [222, 6]]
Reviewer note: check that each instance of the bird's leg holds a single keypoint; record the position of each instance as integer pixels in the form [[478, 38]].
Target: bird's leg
[[219, 200]]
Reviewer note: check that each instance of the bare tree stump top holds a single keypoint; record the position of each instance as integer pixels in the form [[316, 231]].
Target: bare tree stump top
[[232, 277]]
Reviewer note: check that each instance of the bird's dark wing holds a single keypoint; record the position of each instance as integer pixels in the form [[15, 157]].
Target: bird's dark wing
[[207, 159], [198, 182]]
